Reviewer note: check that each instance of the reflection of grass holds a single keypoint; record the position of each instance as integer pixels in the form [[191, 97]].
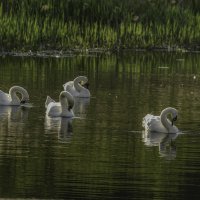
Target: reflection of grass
[[97, 24], [125, 65]]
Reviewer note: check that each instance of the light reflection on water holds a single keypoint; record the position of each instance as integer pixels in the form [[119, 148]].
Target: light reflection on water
[[102, 153]]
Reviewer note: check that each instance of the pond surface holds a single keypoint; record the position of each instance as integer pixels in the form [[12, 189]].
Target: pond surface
[[104, 152]]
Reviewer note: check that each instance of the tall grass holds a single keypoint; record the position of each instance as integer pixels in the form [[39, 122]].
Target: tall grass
[[106, 24]]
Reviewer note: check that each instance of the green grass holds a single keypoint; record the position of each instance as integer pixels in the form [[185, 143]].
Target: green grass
[[106, 24]]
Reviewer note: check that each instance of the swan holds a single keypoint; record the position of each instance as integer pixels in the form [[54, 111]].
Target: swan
[[78, 87], [11, 98], [63, 108], [161, 123]]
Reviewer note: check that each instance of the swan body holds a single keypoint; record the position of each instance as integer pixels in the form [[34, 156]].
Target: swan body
[[11, 98], [63, 108], [161, 123], [76, 87]]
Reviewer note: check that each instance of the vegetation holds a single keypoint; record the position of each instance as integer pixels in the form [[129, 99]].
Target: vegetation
[[105, 24]]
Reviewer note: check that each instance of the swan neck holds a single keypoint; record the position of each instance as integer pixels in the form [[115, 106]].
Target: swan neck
[[77, 84], [164, 119], [63, 102], [66, 101], [13, 93]]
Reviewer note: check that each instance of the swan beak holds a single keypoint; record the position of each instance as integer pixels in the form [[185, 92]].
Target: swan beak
[[173, 120]]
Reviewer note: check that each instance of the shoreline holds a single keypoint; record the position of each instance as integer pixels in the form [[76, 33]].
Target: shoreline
[[94, 51]]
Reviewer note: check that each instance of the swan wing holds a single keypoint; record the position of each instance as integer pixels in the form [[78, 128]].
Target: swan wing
[[153, 123], [84, 93], [72, 90], [69, 83], [48, 101], [54, 109], [4, 98]]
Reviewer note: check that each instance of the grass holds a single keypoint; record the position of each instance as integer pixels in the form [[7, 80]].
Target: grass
[[106, 24]]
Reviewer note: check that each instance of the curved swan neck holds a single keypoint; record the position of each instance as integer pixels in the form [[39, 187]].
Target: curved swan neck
[[66, 101], [163, 117], [70, 99], [77, 81], [13, 90]]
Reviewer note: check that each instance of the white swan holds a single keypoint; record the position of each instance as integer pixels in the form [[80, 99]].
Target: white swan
[[161, 123], [63, 108], [78, 87], [11, 99]]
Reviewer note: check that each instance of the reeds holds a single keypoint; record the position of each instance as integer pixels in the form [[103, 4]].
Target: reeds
[[105, 24]]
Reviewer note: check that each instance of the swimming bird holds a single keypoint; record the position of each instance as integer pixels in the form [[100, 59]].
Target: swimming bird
[[78, 87], [12, 99], [63, 108], [161, 123]]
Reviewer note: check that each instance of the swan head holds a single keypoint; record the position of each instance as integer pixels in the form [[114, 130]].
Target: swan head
[[25, 96], [174, 119], [85, 84], [25, 99], [174, 115], [80, 83]]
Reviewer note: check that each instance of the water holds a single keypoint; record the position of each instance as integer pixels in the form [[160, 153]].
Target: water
[[103, 153]]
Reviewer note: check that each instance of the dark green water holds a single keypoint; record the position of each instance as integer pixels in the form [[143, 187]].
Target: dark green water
[[104, 154]]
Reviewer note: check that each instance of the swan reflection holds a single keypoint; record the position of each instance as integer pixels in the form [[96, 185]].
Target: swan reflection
[[80, 106], [60, 125], [165, 142], [12, 118]]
